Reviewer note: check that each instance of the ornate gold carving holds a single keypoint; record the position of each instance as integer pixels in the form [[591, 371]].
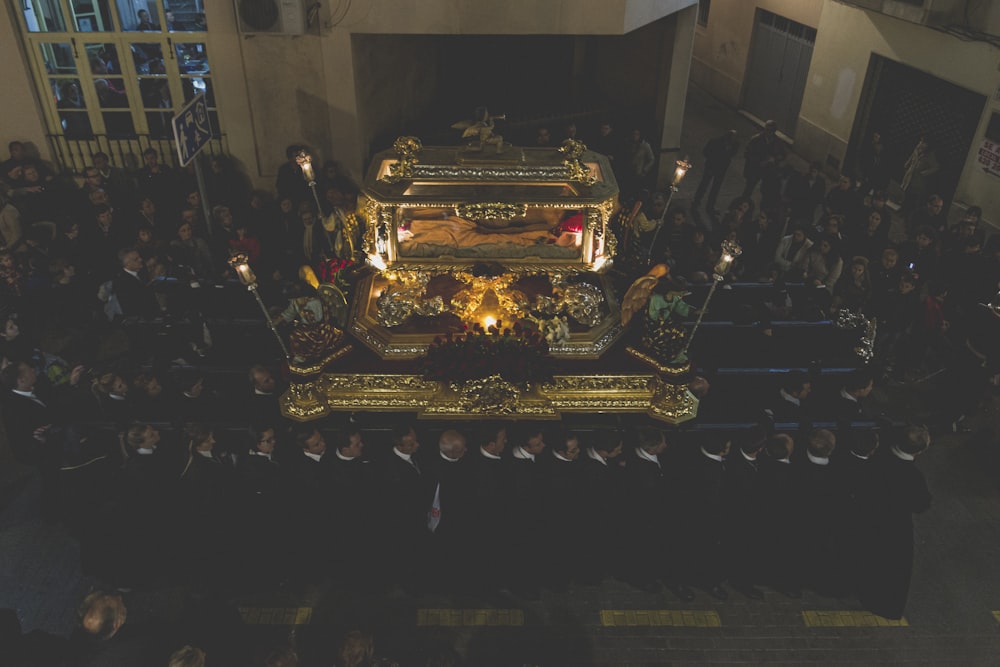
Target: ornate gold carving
[[672, 403], [320, 365], [661, 368], [490, 395], [333, 392], [407, 148], [304, 401], [575, 168], [485, 212]]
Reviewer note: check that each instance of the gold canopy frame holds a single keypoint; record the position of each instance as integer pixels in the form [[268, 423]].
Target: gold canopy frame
[[396, 314]]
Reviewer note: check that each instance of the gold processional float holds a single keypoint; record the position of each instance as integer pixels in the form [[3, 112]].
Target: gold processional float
[[487, 293]]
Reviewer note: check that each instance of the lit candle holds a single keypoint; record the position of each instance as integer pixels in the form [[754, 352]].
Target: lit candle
[[680, 170], [241, 265], [304, 161], [489, 321]]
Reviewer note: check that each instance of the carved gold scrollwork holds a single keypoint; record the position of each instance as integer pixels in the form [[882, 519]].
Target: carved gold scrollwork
[[407, 148], [490, 395], [575, 169], [491, 211]]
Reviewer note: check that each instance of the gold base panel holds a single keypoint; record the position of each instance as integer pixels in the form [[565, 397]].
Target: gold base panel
[[328, 393]]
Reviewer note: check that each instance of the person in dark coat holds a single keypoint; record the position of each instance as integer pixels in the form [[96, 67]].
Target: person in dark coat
[[528, 481], [847, 405], [821, 532], [645, 515], [491, 474], [884, 584], [603, 476], [34, 418], [143, 485], [308, 500], [805, 192], [791, 403], [857, 474], [262, 401], [742, 495], [352, 478], [406, 500], [565, 525], [207, 494], [104, 638], [131, 286], [765, 151], [450, 516], [719, 153], [703, 519], [780, 510]]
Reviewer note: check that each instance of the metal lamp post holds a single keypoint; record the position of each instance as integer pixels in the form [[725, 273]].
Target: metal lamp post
[[304, 160], [241, 265], [730, 251]]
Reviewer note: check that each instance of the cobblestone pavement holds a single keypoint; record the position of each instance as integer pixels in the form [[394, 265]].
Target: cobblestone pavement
[[953, 617]]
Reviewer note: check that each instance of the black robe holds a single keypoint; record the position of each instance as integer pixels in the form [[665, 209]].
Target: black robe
[[885, 584]]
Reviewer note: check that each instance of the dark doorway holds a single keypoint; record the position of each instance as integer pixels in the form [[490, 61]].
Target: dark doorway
[[903, 103]]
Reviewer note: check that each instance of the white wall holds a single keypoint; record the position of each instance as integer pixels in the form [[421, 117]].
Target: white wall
[[845, 40], [722, 48], [20, 114]]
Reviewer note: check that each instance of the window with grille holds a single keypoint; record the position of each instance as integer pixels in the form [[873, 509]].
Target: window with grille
[[112, 73]]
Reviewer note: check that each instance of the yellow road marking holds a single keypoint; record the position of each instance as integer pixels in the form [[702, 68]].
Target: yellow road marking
[[455, 618], [849, 619], [276, 615], [688, 618]]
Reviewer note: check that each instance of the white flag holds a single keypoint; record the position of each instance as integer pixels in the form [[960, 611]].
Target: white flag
[[434, 515]]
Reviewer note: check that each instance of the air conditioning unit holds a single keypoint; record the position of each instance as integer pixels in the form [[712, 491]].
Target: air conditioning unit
[[271, 17]]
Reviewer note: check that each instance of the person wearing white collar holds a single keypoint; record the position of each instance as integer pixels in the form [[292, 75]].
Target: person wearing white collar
[[646, 490], [605, 507], [702, 560], [743, 495], [884, 583], [354, 496], [313, 444], [848, 403], [528, 504], [262, 381], [822, 535], [491, 481], [258, 471], [791, 400], [566, 526], [406, 498], [779, 521]]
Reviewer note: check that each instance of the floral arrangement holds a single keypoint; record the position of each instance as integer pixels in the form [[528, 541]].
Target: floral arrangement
[[335, 271], [518, 355]]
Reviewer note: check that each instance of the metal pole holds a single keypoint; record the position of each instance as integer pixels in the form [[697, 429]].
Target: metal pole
[[711, 290], [270, 322], [319, 209], [206, 211]]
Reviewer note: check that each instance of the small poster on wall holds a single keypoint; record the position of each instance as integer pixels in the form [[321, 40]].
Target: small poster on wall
[[989, 157]]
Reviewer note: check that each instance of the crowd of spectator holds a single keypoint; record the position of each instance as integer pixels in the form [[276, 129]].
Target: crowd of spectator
[[166, 480]]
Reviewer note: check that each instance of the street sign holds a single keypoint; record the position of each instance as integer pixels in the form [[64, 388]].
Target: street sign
[[192, 129]]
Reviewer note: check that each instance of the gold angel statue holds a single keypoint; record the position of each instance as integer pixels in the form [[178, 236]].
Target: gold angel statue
[[481, 128]]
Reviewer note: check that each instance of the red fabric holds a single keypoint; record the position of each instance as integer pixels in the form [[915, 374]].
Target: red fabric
[[249, 245], [573, 223], [933, 314]]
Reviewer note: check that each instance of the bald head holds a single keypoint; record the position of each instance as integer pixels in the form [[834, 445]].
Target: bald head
[[452, 444]]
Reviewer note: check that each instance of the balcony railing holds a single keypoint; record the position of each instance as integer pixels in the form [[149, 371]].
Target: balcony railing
[[75, 154]]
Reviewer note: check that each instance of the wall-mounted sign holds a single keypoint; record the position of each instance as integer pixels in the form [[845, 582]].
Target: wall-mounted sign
[[989, 157]]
